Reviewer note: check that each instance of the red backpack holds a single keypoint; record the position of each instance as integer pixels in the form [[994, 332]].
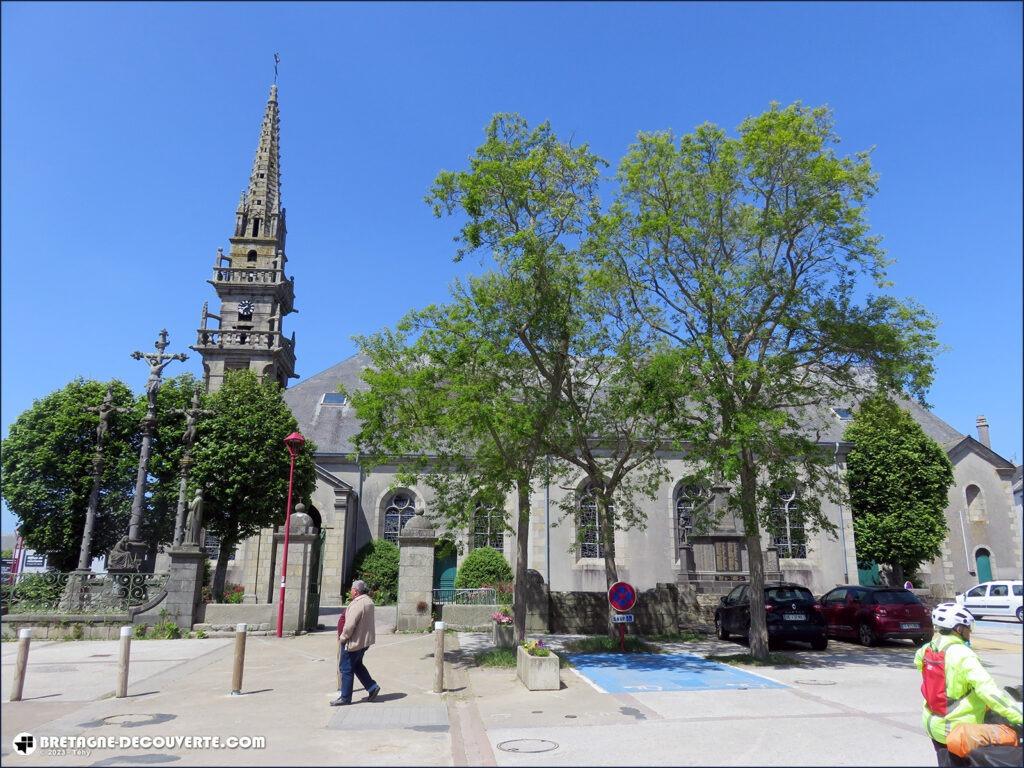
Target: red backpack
[[934, 686]]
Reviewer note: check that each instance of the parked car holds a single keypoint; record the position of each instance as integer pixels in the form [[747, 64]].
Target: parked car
[[995, 598], [790, 610], [871, 614]]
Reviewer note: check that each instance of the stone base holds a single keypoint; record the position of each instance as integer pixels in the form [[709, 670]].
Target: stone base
[[468, 618], [537, 673], [503, 635]]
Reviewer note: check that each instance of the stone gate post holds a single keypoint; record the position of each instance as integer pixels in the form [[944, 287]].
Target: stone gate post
[[415, 574]]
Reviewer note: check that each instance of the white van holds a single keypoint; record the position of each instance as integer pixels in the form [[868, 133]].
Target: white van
[[995, 598]]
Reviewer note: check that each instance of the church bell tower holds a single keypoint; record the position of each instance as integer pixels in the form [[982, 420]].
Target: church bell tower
[[254, 293]]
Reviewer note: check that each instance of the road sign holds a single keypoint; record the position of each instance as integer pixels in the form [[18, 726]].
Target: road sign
[[622, 596], [622, 618]]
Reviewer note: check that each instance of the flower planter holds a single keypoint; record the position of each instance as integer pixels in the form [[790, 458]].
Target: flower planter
[[503, 635], [537, 673]]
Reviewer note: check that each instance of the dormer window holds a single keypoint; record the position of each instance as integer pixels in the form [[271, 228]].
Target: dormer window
[[334, 398], [843, 414]]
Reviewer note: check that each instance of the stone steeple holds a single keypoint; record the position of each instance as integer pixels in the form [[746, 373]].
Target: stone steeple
[[255, 295]]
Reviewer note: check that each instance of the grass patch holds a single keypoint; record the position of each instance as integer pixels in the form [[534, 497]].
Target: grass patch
[[678, 637], [773, 660], [605, 644], [504, 658]]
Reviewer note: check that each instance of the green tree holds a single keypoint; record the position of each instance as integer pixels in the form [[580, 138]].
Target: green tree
[[748, 254], [242, 464], [899, 480], [377, 565], [47, 470], [482, 567]]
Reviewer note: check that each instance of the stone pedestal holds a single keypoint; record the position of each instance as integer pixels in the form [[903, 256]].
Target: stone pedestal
[[184, 586], [537, 673], [503, 635], [300, 556], [415, 575]]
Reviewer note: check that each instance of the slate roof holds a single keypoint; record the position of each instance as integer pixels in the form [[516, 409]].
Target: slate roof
[[332, 427]]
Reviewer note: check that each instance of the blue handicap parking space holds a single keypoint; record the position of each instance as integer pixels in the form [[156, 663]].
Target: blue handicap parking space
[[647, 672]]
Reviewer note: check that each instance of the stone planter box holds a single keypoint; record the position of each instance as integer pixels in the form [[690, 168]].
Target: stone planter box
[[503, 635], [537, 673]]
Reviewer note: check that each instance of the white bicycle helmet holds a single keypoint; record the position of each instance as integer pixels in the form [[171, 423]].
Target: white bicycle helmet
[[950, 616]]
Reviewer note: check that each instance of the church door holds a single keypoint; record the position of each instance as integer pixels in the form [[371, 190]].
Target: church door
[[984, 561], [445, 559]]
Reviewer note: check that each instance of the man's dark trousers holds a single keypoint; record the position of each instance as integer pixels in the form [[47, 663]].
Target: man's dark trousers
[[352, 665]]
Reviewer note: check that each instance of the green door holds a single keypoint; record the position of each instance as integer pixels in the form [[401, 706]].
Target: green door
[[869, 577], [984, 566], [445, 559]]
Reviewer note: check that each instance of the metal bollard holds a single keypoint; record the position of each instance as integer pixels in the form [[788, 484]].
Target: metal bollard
[[236, 675], [438, 656], [24, 639], [122, 662]]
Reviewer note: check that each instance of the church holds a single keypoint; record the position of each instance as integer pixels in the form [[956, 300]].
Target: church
[[350, 505]]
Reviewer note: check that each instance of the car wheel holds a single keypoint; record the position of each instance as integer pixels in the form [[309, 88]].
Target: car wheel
[[720, 630], [819, 644], [1020, 614], [866, 635]]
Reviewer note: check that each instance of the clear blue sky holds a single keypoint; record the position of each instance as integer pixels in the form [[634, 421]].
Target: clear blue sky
[[129, 131]]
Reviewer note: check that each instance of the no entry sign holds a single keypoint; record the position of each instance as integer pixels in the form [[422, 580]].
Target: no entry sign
[[622, 596]]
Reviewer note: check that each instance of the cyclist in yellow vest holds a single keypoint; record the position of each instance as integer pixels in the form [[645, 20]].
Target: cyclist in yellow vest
[[969, 688]]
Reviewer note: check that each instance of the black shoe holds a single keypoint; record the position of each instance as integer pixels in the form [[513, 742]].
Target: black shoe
[[340, 702], [373, 694]]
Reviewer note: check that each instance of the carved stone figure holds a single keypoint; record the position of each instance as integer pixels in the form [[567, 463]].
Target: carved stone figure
[[194, 523], [121, 558]]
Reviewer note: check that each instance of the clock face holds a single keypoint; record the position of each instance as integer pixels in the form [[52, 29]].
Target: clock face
[[245, 307]]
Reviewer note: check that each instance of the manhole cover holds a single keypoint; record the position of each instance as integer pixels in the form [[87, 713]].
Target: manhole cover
[[815, 682], [527, 745], [101, 656], [571, 717]]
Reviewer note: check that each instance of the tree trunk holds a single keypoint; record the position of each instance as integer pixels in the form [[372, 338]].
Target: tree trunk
[[226, 548], [522, 552], [758, 632], [897, 576], [606, 517]]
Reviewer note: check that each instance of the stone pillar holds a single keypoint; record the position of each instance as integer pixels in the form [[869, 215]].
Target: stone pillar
[[415, 574], [300, 557], [538, 606], [184, 585]]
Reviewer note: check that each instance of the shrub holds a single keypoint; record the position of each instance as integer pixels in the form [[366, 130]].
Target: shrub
[[140, 631], [233, 593], [483, 567], [165, 629], [377, 565]]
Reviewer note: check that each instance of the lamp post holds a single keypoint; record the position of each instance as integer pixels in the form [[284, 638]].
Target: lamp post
[[294, 441]]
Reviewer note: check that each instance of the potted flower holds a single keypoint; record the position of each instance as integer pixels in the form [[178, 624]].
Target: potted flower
[[503, 633], [537, 666]]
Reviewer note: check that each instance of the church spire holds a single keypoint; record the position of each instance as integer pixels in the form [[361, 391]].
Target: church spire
[[259, 213]]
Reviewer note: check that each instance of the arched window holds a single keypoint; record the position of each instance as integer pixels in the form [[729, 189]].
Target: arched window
[[786, 524], [975, 504], [689, 498], [488, 527], [588, 525], [399, 511], [251, 257]]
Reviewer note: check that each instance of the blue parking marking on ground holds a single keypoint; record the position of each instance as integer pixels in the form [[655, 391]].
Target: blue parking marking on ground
[[646, 672]]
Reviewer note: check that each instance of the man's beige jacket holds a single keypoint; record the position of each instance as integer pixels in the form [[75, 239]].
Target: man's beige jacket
[[359, 632]]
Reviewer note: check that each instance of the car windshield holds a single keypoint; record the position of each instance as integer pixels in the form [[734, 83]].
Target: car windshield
[[896, 597], [788, 593]]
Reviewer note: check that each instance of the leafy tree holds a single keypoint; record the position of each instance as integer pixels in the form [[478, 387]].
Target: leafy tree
[[899, 481], [377, 564], [47, 470], [746, 254], [242, 464], [483, 566]]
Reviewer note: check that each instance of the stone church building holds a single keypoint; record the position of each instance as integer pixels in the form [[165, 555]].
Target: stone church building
[[351, 505]]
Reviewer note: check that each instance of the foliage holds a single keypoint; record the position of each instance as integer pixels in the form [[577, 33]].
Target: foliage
[[771, 660], [501, 617], [483, 566], [201, 634], [6, 554], [242, 464], [748, 256], [899, 479], [686, 636], [233, 593], [377, 565], [504, 658], [536, 648], [504, 592], [165, 629], [33, 592], [47, 465], [77, 632], [606, 644], [140, 631]]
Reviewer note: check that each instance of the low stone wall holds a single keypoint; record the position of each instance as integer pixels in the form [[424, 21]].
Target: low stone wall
[[467, 617], [67, 628], [222, 617], [582, 613]]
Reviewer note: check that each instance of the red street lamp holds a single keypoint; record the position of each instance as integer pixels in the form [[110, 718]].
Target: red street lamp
[[294, 441]]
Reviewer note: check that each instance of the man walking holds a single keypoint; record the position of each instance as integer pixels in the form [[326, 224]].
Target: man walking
[[356, 636]]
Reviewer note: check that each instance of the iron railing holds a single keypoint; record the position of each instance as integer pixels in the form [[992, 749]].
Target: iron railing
[[75, 593], [483, 596]]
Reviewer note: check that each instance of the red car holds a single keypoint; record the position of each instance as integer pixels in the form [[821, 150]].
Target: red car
[[871, 614]]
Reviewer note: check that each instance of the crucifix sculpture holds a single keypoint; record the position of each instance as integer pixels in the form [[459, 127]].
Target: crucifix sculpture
[[187, 440], [105, 410], [157, 362]]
